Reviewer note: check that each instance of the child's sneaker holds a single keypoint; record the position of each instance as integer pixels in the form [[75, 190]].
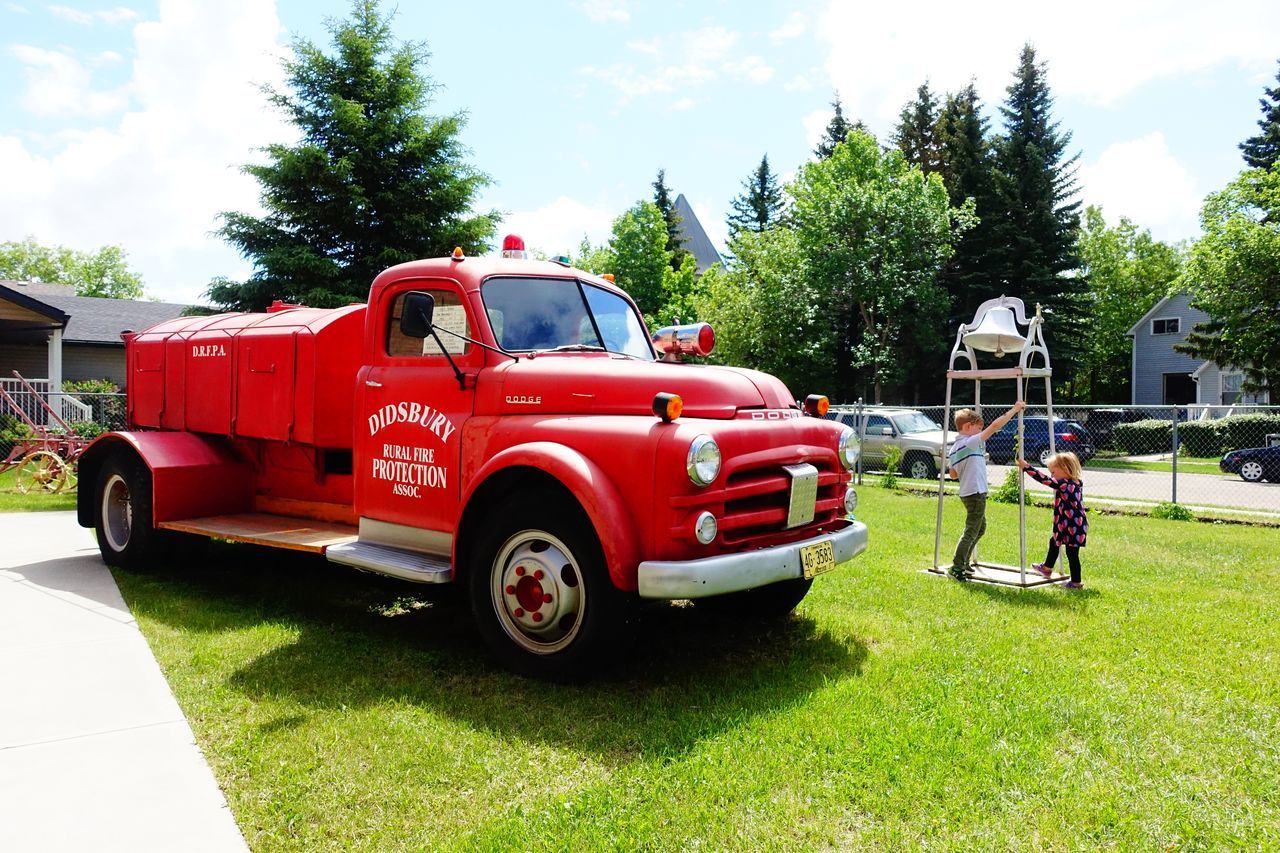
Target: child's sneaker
[[957, 574], [1043, 569], [1073, 585]]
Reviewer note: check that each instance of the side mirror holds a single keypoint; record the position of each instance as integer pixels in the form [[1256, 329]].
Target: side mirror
[[419, 308]]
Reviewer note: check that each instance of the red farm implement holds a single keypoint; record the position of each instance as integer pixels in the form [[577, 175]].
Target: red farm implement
[[44, 456]]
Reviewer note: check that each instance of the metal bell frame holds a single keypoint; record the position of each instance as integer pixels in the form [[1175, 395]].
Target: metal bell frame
[[1033, 345]]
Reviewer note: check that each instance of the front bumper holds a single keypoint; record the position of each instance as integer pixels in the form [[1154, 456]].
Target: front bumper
[[725, 573]]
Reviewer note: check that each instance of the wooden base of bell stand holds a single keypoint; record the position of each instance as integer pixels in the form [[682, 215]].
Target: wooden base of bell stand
[[999, 574], [260, 528]]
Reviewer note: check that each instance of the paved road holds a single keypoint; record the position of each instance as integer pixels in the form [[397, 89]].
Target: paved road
[[1193, 489]]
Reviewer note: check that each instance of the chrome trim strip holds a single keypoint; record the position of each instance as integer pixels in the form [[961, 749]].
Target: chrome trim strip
[[435, 542], [674, 579]]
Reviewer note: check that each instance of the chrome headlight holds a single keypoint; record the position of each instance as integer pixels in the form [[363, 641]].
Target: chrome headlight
[[704, 460], [849, 449], [850, 501], [705, 528]]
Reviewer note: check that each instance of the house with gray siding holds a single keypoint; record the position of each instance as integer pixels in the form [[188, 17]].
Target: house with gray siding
[[1161, 376], [48, 333]]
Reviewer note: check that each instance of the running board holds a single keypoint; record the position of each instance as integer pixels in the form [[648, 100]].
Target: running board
[[396, 562]]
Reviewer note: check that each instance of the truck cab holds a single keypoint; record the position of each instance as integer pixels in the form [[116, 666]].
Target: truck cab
[[497, 422]]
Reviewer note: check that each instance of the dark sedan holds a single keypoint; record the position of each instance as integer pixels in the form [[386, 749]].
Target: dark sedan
[[1067, 436], [1253, 464]]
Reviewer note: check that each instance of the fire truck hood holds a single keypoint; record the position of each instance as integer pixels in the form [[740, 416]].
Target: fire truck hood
[[602, 384]]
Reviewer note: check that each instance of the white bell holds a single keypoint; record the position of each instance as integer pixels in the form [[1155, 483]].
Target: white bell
[[997, 332]]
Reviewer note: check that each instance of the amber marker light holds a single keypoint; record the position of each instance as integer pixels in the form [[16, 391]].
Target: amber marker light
[[816, 405], [607, 277], [667, 406], [457, 253]]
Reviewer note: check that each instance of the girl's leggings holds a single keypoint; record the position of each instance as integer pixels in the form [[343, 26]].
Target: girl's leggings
[[1073, 558]]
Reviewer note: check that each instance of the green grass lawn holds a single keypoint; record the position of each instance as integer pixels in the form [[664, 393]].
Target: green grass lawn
[[894, 710], [11, 500]]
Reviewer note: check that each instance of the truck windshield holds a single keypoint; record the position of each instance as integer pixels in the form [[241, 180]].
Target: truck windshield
[[915, 422], [539, 314]]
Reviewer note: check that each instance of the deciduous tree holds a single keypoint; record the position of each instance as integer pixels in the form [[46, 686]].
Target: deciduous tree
[[374, 181], [1233, 273], [102, 273]]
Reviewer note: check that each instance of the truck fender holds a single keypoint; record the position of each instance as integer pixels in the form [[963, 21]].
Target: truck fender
[[590, 486], [192, 475]]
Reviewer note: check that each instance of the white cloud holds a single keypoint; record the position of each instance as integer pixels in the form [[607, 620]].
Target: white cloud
[[58, 84], [793, 27], [683, 104], [1142, 180], [1100, 52], [804, 82], [602, 11], [815, 124], [558, 227], [682, 61], [118, 15], [154, 178], [17, 9], [754, 68], [75, 16]]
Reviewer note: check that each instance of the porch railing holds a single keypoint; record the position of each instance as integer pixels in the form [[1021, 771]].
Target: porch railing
[[67, 407]]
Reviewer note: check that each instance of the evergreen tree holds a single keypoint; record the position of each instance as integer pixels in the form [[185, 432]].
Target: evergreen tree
[[967, 174], [760, 206], [373, 182], [1036, 220], [837, 131], [918, 133], [667, 207], [1262, 150]]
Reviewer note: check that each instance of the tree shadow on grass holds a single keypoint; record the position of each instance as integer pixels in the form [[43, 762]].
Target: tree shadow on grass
[[362, 640]]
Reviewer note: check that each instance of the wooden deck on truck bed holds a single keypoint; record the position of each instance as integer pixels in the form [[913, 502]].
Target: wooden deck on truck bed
[[274, 531]]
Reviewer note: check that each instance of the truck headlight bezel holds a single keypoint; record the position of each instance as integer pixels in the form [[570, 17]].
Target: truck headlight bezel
[[703, 461], [849, 448]]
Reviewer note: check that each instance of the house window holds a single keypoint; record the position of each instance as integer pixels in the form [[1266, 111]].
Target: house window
[[1232, 387], [1166, 326]]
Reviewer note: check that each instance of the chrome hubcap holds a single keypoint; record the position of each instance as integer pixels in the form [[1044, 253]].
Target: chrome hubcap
[[117, 513], [537, 592], [1251, 470]]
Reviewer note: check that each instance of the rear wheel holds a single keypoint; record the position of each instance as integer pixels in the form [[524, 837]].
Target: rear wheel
[[1251, 471], [540, 591], [1044, 455], [919, 466], [126, 537]]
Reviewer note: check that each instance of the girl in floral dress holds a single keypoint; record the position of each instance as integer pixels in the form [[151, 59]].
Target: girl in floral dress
[[1070, 523]]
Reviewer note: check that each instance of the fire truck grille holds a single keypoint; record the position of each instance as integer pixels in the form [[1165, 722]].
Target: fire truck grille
[[757, 502]]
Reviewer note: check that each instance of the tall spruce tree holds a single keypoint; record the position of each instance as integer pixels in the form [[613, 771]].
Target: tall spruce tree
[[760, 206], [1037, 220], [374, 181], [837, 130], [667, 207], [917, 134], [1262, 150], [967, 174]]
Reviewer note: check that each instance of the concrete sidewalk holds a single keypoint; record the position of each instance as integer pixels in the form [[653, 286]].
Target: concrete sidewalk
[[95, 753]]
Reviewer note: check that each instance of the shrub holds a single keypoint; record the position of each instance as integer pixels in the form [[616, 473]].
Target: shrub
[[892, 459], [1150, 436], [1172, 512], [87, 429], [1248, 430], [1007, 492], [1201, 438]]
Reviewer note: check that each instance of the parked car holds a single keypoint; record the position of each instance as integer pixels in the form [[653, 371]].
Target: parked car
[[918, 436], [1068, 436], [1102, 423], [1253, 464]]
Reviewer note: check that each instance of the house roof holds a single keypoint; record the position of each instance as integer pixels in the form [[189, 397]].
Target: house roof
[[1155, 309], [695, 236], [89, 319]]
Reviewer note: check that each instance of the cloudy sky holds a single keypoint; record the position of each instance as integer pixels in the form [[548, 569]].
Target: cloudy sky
[[126, 124]]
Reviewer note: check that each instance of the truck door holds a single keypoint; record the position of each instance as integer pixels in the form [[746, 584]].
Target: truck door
[[411, 410]]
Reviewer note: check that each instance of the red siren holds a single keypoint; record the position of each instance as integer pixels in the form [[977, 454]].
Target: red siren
[[513, 247]]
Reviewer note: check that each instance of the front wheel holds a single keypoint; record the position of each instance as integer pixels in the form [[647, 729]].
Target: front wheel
[[1251, 471], [541, 592], [920, 466]]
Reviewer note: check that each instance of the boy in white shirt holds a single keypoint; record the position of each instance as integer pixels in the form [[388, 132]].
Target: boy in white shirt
[[967, 463]]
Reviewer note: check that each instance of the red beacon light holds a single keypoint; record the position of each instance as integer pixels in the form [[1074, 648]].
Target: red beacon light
[[693, 339], [513, 247]]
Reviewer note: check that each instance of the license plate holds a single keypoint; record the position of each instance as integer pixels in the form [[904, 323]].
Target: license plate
[[817, 558]]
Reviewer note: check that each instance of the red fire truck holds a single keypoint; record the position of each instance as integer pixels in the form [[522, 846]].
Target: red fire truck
[[499, 422]]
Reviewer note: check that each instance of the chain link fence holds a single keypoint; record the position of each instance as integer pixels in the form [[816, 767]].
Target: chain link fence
[[1212, 459]]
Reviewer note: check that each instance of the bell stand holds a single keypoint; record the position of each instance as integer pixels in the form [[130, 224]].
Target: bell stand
[[1033, 344]]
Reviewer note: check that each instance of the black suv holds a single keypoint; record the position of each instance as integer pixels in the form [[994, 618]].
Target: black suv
[[1069, 436]]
